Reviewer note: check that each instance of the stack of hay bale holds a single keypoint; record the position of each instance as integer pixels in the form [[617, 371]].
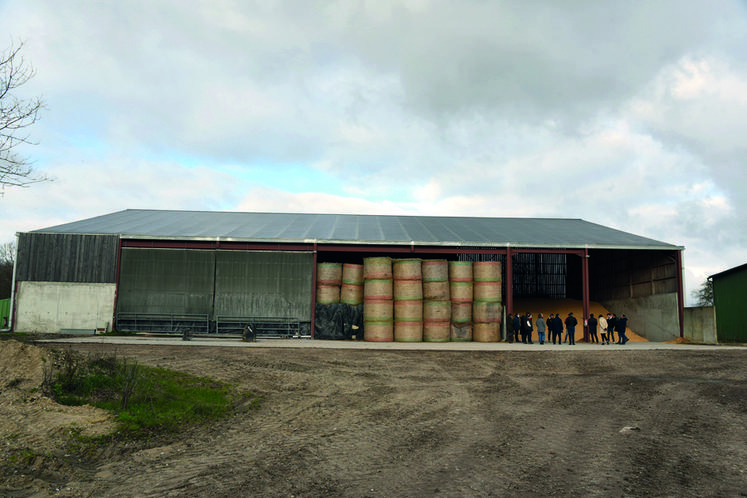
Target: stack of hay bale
[[378, 324], [411, 300], [486, 310], [351, 291], [328, 281], [461, 293], [408, 300], [436, 303]]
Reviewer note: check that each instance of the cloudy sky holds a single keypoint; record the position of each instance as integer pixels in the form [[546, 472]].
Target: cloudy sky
[[627, 114]]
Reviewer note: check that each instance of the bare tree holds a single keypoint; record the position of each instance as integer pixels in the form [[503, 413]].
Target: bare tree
[[8, 252], [16, 115], [704, 293]]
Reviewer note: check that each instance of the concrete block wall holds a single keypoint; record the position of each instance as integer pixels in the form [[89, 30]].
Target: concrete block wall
[[700, 325], [52, 306], [654, 317]]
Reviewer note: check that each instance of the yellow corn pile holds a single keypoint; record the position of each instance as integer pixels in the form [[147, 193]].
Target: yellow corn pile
[[535, 306]]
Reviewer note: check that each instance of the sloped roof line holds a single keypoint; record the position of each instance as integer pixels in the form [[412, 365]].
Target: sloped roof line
[[729, 271], [358, 229]]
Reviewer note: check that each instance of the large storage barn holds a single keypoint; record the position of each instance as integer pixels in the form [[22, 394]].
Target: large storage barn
[[217, 272]]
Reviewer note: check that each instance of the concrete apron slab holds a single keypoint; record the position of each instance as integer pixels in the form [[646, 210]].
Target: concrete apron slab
[[396, 346]]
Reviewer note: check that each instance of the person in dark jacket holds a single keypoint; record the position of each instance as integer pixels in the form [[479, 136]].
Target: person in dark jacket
[[517, 327], [557, 329], [570, 326], [592, 323], [510, 328], [611, 321], [530, 328], [621, 326]]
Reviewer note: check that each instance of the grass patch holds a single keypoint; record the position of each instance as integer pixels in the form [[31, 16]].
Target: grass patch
[[16, 336], [145, 401], [22, 457]]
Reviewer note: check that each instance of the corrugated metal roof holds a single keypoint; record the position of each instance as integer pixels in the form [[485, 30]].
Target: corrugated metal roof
[[359, 229]]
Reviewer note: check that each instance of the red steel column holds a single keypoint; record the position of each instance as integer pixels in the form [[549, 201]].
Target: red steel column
[[509, 282], [585, 291], [313, 291]]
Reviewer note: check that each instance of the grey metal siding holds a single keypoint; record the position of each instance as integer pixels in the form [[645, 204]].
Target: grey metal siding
[[264, 284], [216, 283], [52, 257], [166, 281]]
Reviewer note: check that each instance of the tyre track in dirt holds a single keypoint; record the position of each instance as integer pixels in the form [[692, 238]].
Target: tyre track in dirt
[[378, 438], [266, 443], [383, 423]]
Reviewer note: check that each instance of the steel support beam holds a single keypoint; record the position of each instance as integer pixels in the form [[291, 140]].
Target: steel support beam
[[509, 281], [585, 292], [313, 292]]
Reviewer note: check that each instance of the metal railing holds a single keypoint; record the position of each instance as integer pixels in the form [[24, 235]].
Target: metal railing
[[162, 323], [262, 327], [199, 324]]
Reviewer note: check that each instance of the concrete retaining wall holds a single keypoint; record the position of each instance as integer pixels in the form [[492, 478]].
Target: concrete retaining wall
[[653, 317], [52, 306], [700, 325]]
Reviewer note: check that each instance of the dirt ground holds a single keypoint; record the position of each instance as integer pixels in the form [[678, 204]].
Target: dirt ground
[[373, 423]]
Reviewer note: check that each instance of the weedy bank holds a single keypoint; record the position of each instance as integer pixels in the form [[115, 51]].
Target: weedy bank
[[145, 401]]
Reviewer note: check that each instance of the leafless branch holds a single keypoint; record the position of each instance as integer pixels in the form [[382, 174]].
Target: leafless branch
[[16, 115]]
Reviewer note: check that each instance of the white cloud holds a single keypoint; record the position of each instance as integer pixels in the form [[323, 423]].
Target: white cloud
[[92, 187], [273, 200], [630, 115]]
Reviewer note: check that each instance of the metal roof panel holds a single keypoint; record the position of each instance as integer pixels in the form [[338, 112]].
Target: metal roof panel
[[369, 229]]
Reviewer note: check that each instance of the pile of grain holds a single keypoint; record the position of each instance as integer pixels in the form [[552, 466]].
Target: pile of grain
[[535, 306]]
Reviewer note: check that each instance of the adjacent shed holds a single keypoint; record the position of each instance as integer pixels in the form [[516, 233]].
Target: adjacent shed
[[729, 296], [214, 272]]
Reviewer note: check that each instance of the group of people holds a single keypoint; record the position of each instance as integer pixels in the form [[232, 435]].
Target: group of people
[[520, 327]]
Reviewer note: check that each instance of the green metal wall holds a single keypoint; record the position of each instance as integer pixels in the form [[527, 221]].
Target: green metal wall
[[216, 283], [729, 296], [4, 312]]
